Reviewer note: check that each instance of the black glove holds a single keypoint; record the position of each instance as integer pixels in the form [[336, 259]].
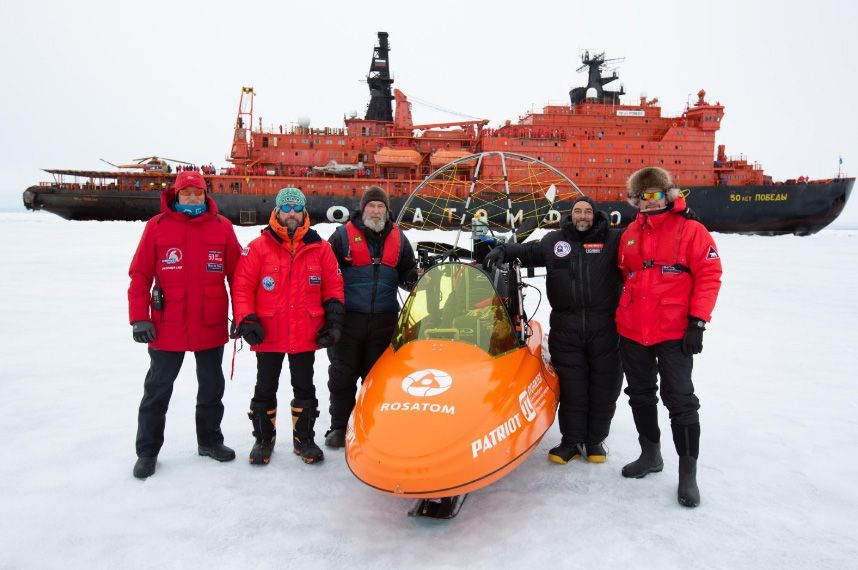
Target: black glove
[[692, 342], [143, 331], [494, 258], [328, 337], [331, 331], [249, 329]]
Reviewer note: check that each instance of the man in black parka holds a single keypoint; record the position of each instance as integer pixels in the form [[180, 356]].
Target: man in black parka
[[583, 285], [376, 259]]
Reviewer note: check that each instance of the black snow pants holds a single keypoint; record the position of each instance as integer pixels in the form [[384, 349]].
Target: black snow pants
[[584, 352], [644, 365], [268, 368], [158, 387], [365, 338]]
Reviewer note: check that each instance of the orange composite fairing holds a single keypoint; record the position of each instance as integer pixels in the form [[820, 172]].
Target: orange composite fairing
[[459, 399]]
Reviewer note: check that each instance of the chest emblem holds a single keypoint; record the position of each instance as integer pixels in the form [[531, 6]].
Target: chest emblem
[[268, 283], [562, 249], [174, 256], [593, 247]]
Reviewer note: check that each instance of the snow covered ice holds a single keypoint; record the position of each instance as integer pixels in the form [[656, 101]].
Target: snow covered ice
[[777, 468]]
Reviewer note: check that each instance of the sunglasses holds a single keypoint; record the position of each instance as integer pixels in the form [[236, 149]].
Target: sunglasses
[[657, 195], [286, 208], [192, 192]]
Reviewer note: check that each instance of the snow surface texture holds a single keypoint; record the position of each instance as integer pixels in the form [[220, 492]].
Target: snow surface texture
[[777, 463]]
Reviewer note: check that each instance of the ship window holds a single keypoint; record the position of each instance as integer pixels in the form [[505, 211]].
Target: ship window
[[329, 141], [273, 141], [341, 142], [678, 147], [316, 141], [264, 142], [305, 141], [296, 153]]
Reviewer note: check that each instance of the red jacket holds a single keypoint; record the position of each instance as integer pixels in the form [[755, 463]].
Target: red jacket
[[189, 258], [672, 270], [285, 284]]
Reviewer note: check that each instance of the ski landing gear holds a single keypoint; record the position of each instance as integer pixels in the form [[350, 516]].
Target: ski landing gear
[[443, 508]]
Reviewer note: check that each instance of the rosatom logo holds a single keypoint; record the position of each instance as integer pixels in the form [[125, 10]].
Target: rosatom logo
[[428, 382]]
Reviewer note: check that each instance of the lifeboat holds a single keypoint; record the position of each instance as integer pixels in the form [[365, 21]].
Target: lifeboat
[[460, 398], [398, 157], [443, 156]]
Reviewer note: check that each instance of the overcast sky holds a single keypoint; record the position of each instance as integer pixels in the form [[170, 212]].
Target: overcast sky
[[115, 80]]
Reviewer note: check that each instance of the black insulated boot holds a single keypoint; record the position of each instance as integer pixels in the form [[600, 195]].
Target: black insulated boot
[[687, 493], [217, 451], [565, 452], [304, 414], [595, 452], [650, 460], [335, 438], [687, 441], [145, 467], [265, 432]]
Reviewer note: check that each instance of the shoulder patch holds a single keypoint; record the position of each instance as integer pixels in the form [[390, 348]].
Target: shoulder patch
[[630, 242], [712, 253]]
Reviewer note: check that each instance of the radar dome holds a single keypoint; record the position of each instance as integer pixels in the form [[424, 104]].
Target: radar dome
[[304, 122]]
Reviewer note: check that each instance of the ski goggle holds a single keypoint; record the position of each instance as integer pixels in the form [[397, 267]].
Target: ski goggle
[[196, 192], [286, 208], [657, 195]]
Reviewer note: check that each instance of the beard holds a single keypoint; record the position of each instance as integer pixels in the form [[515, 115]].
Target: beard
[[583, 225], [375, 224]]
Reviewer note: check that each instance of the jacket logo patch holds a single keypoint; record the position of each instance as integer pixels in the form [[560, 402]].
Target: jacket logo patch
[[669, 270], [268, 283], [562, 249], [174, 256], [245, 250], [630, 242], [712, 253], [315, 279], [358, 238], [593, 247], [215, 263]]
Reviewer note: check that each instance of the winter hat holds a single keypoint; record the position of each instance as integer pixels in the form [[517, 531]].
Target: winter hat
[[584, 199], [650, 177], [190, 179], [374, 194], [291, 196]]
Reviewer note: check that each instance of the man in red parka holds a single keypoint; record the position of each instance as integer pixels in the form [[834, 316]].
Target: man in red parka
[[187, 251], [288, 299], [672, 274]]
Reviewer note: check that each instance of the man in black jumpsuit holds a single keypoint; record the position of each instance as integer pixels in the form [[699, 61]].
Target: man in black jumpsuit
[[376, 259], [583, 285]]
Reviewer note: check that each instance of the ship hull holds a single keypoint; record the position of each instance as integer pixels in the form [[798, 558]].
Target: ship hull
[[801, 208]]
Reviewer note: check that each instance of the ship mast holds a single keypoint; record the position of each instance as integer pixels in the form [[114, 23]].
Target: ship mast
[[595, 81], [380, 106]]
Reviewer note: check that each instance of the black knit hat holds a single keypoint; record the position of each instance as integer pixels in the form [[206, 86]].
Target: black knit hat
[[374, 194], [584, 199]]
